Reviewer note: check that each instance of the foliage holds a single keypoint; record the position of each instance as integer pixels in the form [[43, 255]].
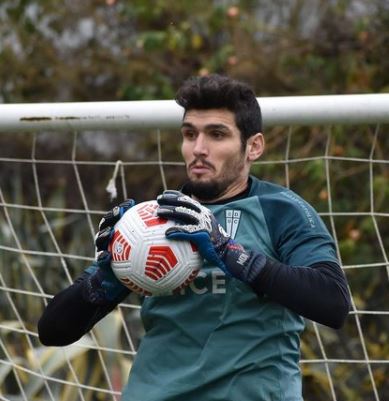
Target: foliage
[[116, 50]]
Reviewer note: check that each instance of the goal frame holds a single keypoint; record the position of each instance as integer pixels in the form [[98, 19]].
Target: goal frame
[[134, 116], [283, 110]]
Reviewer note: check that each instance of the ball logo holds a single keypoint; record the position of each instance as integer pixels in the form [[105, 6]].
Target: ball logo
[[118, 248], [160, 260], [121, 249], [148, 215]]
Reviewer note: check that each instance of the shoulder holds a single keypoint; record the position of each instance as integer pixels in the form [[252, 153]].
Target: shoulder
[[283, 206], [274, 197], [270, 192], [297, 231]]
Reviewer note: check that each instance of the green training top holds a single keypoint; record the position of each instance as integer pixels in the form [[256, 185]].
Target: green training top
[[218, 340]]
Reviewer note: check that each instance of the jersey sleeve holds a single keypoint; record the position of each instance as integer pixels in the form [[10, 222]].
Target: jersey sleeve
[[68, 316], [299, 236]]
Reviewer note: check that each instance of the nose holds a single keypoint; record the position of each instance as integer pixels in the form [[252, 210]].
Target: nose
[[200, 146]]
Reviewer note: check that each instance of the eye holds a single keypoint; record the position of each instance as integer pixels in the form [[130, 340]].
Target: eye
[[189, 134], [218, 134]]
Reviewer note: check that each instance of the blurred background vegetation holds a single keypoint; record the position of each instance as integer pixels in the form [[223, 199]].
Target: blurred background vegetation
[[95, 50], [124, 50]]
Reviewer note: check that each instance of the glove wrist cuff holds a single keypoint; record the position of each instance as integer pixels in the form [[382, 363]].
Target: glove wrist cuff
[[100, 288], [245, 265], [92, 290]]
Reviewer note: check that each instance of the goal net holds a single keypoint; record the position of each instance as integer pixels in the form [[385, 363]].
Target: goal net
[[62, 166]]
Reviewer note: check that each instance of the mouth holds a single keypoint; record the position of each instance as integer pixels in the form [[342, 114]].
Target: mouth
[[200, 168]]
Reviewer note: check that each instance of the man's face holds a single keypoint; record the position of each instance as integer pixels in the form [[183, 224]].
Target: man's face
[[216, 164]]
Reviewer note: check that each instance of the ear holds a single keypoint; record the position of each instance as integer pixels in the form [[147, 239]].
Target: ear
[[255, 146]]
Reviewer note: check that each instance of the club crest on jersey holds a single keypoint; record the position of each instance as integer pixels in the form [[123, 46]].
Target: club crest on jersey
[[232, 221]]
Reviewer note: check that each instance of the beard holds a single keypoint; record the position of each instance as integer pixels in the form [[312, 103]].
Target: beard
[[207, 191]]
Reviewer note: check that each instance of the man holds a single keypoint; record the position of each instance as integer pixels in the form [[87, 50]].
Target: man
[[233, 334]]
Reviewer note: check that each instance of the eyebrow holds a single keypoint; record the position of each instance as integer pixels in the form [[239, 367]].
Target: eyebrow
[[207, 127]]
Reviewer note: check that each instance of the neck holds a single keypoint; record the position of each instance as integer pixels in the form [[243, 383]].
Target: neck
[[235, 189]]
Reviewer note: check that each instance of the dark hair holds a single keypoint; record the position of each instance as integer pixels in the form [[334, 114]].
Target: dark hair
[[220, 92]]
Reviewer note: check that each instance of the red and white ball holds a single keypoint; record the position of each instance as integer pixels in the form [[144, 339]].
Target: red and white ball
[[144, 260]]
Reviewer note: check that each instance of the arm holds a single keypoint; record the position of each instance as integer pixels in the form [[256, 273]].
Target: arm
[[75, 310], [318, 292], [70, 314]]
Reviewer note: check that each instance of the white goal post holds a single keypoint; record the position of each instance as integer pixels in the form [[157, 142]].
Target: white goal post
[[288, 110], [62, 165]]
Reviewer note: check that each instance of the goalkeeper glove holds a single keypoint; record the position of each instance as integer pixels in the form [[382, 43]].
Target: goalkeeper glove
[[101, 285], [197, 224], [107, 223]]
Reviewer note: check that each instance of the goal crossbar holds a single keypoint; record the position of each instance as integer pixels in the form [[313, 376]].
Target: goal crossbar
[[117, 115]]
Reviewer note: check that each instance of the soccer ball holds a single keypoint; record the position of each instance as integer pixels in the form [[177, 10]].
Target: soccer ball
[[144, 260]]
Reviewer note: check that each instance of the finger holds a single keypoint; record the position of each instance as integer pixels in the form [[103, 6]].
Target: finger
[[110, 218], [172, 192], [178, 214], [114, 215], [178, 233], [169, 197], [127, 204], [176, 198], [103, 258], [103, 238]]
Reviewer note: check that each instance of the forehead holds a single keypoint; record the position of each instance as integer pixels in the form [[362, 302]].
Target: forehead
[[202, 118]]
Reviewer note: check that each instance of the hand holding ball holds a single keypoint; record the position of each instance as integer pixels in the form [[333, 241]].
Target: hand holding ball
[[144, 260]]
